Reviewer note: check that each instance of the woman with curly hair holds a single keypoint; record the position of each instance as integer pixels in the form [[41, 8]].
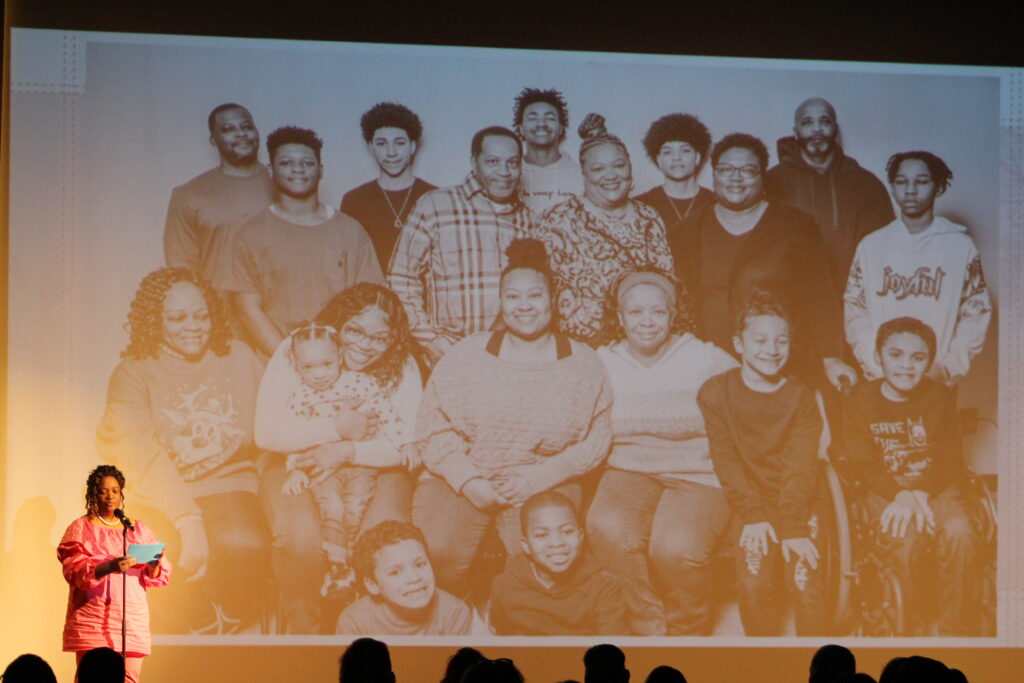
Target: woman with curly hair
[[659, 508], [594, 238], [92, 555], [350, 442], [179, 411]]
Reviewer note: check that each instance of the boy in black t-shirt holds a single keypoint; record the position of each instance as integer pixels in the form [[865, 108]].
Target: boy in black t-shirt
[[903, 444]]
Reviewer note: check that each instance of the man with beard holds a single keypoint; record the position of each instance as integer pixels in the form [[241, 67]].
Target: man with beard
[[741, 243], [549, 176], [205, 211], [448, 261], [814, 175], [678, 145], [392, 134], [290, 259]]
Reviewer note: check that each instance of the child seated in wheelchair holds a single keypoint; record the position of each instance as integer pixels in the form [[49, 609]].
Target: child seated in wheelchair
[[903, 447], [763, 431]]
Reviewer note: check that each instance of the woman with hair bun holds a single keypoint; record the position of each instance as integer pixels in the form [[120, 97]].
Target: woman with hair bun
[[506, 415], [179, 412], [91, 555], [596, 237]]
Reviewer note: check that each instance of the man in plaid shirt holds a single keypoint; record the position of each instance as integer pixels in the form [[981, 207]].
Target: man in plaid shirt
[[450, 253]]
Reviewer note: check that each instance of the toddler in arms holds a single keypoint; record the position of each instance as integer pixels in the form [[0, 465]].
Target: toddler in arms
[[343, 497]]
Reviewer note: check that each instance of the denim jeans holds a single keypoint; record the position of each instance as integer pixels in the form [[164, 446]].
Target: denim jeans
[[343, 499], [762, 597], [658, 535], [935, 570], [454, 527]]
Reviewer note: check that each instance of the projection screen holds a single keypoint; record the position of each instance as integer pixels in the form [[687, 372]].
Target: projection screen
[[104, 126]]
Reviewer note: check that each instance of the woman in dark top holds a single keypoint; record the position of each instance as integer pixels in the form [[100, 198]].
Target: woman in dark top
[[743, 241]]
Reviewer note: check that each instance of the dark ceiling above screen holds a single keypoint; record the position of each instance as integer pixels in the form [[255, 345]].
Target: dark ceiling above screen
[[875, 31]]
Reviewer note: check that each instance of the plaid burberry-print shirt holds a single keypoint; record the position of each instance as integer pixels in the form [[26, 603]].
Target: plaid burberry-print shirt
[[448, 260]]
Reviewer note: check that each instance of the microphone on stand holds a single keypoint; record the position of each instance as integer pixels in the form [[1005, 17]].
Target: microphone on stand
[[124, 519]]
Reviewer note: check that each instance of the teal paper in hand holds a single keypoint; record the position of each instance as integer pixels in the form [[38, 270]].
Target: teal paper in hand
[[145, 553]]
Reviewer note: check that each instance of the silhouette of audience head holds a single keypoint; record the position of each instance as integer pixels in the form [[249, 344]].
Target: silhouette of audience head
[[28, 668], [915, 669], [101, 665], [665, 674], [493, 671], [830, 662], [463, 658], [854, 678], [366, 661], [605, 663]]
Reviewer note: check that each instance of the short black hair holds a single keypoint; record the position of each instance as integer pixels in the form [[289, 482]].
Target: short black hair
[[741, 141], [937, 168], [293, 135], [909, 325], [528, 96], [542, 500], [677, 128], [391, 115], [477, 143], [211, 120]]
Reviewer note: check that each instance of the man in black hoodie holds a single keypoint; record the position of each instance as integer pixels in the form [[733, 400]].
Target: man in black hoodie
[[815, 176]]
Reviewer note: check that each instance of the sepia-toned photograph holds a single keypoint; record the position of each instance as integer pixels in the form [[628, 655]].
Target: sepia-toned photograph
[[406, 341]]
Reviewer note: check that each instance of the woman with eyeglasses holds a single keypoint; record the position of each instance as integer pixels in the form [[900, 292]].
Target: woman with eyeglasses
[[743, 241], [317, 434]]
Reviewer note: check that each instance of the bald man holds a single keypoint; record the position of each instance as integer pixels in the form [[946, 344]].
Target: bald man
[[814, 175]]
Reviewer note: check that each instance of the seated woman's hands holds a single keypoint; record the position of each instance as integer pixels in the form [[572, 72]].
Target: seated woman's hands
[[482, 494], [324, 460], [512, 486], [353, 424]]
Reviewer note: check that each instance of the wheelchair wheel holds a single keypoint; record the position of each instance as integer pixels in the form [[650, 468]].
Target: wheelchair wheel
[[836, 552]]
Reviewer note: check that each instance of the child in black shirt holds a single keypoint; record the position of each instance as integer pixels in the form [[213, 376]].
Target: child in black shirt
[[903, 444], [763, 431]]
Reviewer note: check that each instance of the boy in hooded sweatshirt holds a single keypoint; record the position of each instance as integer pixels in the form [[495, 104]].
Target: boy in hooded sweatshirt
[[555, 586], [920, 265]]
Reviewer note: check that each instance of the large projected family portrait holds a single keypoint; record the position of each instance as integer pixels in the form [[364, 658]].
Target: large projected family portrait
[[416, 341]]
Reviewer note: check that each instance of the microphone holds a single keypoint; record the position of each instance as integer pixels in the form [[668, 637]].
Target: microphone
[[124, 519]]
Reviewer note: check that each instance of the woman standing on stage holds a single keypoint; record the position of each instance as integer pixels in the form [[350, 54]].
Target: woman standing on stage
[[93, 558]]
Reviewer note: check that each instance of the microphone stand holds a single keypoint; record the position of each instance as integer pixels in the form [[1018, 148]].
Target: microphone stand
[[124, 595]]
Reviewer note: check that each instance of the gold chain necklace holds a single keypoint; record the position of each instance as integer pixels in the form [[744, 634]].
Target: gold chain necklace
[[397, 214]]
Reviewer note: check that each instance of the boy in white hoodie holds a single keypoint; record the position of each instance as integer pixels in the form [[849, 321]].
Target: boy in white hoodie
[[920, 265]]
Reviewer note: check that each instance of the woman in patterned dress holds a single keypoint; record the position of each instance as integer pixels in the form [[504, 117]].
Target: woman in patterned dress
[[595, 238]]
